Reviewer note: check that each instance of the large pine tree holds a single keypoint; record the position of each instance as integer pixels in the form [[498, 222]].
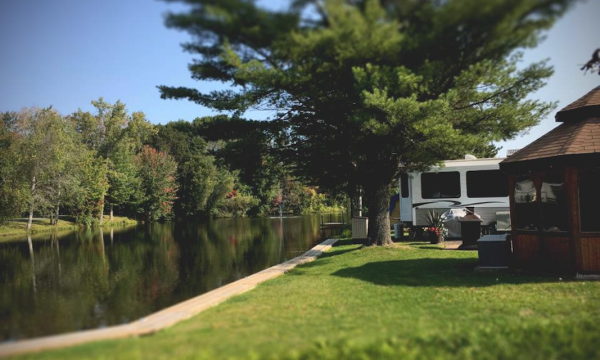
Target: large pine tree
[[366, 89]]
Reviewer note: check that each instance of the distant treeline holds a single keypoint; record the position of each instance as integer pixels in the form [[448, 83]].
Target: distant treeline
[[89, 164]]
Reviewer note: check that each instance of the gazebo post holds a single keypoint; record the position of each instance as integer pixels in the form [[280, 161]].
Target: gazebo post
[[572, 184], [513, 230]]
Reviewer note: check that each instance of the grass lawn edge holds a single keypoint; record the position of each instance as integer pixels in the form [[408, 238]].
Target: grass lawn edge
[[15, 229]]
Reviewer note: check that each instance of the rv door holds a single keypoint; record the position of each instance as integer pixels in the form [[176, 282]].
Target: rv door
[[405, 198]]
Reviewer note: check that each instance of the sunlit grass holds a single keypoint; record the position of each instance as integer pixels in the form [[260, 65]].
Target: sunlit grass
[[412, 301], [17, 227]]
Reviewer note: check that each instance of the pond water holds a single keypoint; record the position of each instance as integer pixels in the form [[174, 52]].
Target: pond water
[[102, 277]]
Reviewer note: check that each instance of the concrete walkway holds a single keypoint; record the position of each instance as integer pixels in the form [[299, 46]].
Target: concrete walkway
[[167, 317], [452, 245]]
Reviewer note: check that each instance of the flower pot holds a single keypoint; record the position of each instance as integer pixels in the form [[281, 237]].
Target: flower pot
[[432, 237], [436, 238]]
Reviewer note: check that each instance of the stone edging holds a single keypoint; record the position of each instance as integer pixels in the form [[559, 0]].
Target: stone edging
[[166, 317]]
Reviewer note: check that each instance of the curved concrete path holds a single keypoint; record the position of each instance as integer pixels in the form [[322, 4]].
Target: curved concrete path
[[166, 317]]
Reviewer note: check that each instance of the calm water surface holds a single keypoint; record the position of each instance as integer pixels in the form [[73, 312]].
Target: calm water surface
[[104, 277]]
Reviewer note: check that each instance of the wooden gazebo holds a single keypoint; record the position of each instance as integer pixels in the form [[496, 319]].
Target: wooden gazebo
[[554, 187]]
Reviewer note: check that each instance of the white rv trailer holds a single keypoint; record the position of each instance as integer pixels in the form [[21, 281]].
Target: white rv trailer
[[471, 182]]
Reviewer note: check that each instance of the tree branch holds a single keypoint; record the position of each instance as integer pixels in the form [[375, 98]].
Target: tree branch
[[481, 102]]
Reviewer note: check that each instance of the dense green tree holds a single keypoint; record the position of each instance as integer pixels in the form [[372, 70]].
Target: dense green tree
[[236, 204], [77, 163], [157, 173], [63, 181], [251, 156], [369, 88], [47, 168], [196, 171], [124, 181], [114, 135], [246, 148], [44, 155], [90, 170], [203, 183], [13, 190]]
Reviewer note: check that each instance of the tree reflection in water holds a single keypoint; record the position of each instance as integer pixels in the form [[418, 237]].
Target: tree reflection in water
[[93, 278]]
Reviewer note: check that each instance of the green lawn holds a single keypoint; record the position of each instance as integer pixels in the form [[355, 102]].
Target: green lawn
[[17, 227], [406, 302]]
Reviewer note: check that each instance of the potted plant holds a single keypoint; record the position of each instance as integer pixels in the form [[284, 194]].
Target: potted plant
[[435, 227]]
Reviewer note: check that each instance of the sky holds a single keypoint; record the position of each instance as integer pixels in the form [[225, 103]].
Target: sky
[[66, 53]]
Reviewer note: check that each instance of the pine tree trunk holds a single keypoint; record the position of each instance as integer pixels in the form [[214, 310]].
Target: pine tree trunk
[[378, 197], [31, 205]]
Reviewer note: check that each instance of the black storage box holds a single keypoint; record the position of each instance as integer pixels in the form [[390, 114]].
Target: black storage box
[[494, 251]]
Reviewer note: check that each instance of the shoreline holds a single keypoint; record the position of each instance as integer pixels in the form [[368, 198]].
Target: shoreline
[[10, 231], [166, 317]]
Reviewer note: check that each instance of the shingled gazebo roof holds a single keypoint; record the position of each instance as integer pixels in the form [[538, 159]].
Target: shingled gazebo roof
[[585, 107], [578, 134]]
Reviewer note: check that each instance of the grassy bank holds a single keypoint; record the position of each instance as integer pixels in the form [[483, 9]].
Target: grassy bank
[[409, 302], [17, 227]]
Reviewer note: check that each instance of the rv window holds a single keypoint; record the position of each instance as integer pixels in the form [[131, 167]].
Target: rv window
[[440, 185], [404, 185], [589, 198], [554, 204], [526, 205], [487, 183]]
